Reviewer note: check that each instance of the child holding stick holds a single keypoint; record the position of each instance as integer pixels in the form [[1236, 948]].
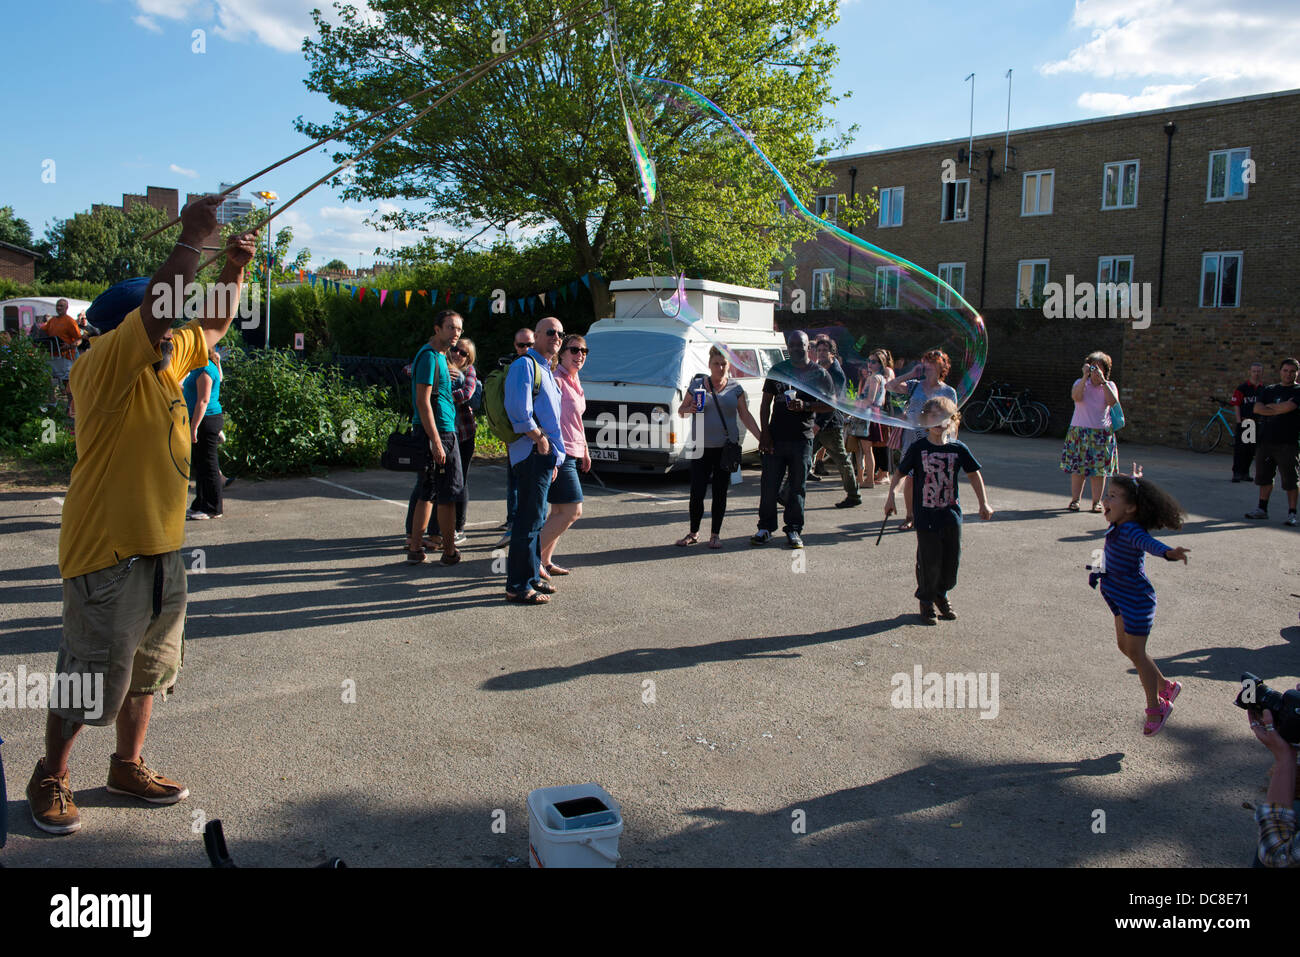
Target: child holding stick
[[933, 462]]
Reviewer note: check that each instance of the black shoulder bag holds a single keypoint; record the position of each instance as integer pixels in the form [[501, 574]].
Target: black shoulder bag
[[729, 460], [409, 451]]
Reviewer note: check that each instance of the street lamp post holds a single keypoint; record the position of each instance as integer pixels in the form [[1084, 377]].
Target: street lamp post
[[268, 197]]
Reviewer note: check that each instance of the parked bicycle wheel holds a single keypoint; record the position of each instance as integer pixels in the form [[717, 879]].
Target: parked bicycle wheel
[[1045, 416], [1028, 423], [979, 416], [1205, 438]]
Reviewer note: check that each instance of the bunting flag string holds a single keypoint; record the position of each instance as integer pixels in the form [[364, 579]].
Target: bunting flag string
[[529, 304]]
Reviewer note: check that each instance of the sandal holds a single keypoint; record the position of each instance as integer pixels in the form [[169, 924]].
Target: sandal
[[531, 598], [1156, 718], [690, 538], [1073, 506], [451, 558], [545, 587], [414, 557], [1096, 507], [907, 525], [1170, 691], [433, 544], [554, 569], [715, 542]]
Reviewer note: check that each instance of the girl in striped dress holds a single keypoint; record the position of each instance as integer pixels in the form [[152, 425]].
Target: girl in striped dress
[[1134, 506]]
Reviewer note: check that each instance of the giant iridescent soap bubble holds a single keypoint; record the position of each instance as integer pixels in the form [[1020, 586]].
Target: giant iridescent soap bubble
[[860, 294]]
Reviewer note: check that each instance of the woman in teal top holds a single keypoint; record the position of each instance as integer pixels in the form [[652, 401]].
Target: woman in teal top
[[202, 391]]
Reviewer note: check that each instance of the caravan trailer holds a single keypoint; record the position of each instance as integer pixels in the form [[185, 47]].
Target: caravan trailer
[[644, 357], [22, 315]]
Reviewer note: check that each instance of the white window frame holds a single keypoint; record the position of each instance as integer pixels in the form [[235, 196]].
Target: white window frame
[[831, 202], [943, 201], [818, 302], [895, 193], [1038, 174], [776, 282], [1047, 272], [883, 275], [1218, 279], [943, 298], [1113, 260], [1227, 196], [1119, 193]]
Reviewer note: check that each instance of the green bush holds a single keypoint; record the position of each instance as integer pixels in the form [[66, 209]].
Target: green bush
[[24, 385], [71, 288], [285, 416]]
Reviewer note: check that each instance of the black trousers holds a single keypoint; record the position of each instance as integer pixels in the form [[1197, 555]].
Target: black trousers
[[206, 467], [937, 556], [466, 453], [703, 470], [1242, 453]]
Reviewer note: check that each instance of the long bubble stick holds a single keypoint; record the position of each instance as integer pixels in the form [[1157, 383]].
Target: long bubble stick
[[485, 65]]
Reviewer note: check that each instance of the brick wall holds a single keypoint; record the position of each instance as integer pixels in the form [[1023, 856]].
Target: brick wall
[[1189, 354], [14, 265]]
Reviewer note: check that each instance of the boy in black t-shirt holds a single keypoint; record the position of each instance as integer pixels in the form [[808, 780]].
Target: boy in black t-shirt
[[933, 462], [1277, 409], [1243, 405]]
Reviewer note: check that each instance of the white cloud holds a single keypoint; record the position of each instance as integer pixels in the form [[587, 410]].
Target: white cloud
[[148, 23], [192, 174], [280, 24], [1200, 49]]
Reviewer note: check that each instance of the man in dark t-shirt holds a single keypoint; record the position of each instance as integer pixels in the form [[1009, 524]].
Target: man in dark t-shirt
[[1277, 409], [791, 397], [1243, 406]]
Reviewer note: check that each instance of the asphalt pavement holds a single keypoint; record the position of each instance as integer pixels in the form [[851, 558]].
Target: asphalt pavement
[[742, 705]]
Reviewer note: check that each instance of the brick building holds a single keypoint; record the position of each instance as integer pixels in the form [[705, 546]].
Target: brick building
[[167, 200], [17, 263], [1088, 200]]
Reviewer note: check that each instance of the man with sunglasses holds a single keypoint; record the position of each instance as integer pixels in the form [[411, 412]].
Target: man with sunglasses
[[523, 342], [123, 522], [535, 457]]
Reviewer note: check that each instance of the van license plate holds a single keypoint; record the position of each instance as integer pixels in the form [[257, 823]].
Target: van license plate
[[604, 455]]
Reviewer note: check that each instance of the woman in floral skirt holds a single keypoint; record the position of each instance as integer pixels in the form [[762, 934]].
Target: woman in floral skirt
[[1090, 448]]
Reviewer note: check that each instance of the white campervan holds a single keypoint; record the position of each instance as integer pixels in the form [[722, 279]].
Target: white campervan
[[643, 358], [20, 315]]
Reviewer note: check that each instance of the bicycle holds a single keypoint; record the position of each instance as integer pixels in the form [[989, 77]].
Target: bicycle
[[1002, 408], [1208, 436]]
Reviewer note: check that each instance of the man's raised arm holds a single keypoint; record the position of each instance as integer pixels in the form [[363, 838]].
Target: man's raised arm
[[164, 299]]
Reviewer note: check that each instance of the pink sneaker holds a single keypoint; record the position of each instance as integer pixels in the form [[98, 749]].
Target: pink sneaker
[[1156, 718], [1170, 691]]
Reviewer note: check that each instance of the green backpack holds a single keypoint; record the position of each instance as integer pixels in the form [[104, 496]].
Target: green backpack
[[494, 401]]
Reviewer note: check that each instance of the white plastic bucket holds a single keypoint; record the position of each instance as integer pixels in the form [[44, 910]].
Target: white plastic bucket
[[576, 825]]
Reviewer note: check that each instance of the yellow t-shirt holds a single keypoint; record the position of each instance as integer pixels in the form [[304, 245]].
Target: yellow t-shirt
[[127, 491]]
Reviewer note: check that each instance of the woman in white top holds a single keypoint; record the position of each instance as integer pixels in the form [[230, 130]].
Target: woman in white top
[[1090, 447]]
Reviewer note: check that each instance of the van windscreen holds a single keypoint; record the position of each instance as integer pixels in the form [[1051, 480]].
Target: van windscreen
[[640, 358]]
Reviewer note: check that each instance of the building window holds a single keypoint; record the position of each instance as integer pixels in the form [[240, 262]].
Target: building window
[[776, 282], [1030, 283], [827, 207], [823, 288], [954, 274], [955, 209], [1117, 269], [891, 206], [887, 279], [1037, 193], [1221, 280], [782, 207], [1227, 176], [1119, 185]]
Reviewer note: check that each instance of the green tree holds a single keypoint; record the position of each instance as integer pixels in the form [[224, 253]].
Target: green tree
[[336, 265], [105, 245], [14, 230], [540, 140]]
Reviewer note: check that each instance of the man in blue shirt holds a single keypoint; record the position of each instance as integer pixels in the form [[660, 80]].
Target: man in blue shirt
[[533, 405], [435, 415]]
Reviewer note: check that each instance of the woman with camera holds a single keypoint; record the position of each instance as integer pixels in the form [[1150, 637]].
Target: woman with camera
[[1090, 448], [720, 403]]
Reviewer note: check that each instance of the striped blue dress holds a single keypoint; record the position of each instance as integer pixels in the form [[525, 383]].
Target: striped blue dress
[[1123, 579]]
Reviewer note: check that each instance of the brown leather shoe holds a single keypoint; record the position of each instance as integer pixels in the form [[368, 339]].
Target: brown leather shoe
[[137, 780], [945, 609], [927, 614], [50, 800]]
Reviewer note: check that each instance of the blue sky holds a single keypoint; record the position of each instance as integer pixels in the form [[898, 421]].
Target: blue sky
[[117, 98]]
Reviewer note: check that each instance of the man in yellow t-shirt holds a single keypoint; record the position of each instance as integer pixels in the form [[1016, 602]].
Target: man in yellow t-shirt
[[124, 522]]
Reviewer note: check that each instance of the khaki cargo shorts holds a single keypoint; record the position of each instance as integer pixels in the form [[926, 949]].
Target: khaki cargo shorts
[[126, 623]]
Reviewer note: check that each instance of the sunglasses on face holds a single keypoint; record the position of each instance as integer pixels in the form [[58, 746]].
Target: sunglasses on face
[[523, 345], [461, 352], [578, 350], [557, 333]]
